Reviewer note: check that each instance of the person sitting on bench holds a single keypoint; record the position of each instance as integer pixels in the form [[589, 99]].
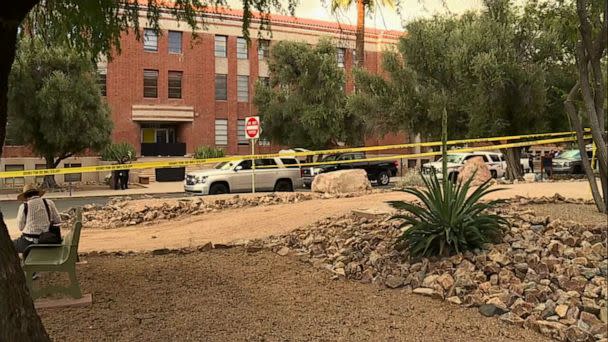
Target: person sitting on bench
[[35, 217]]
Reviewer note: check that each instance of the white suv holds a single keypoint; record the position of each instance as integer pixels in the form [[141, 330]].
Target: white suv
[[495, 161], [271, 174]]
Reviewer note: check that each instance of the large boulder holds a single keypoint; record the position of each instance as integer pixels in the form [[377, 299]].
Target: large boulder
[[470, 166], [340, 182]]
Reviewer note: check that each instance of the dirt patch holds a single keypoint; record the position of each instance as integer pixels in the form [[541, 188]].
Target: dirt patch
[[584, 214], [261, 221], [226, 295]]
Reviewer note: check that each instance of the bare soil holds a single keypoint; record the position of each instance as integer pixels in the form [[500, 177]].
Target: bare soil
[[232, 295], [583, 214], [258, 222]]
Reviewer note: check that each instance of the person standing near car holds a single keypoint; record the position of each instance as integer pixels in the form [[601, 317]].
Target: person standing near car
[[531, 162], [548, 164]]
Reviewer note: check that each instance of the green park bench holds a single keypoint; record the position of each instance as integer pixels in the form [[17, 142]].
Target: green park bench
[[55, 258]]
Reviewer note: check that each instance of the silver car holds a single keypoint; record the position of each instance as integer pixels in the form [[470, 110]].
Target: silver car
[[271, 174]]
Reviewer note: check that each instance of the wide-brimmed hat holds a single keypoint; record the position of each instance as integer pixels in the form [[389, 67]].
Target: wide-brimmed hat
[[29, 189]]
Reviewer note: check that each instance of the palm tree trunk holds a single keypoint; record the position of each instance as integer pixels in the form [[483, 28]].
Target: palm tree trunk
[[360, 34]]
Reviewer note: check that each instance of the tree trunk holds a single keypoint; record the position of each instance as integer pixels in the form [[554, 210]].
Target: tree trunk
[[360, 34], [514, 169], [574, 119], [49, 180], [18, 318], [589, 53]]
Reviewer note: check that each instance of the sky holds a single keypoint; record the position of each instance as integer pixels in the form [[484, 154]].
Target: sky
[[382, 18]]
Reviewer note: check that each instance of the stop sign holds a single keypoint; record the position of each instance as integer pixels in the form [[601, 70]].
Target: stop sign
[[252, 127]]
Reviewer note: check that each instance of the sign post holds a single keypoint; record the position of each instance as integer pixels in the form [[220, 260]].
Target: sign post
[[252, 130]]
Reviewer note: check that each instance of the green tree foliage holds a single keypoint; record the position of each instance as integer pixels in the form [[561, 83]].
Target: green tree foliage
[[490, 67], [119, 152], [93, 27], [417, 87], [55, 103], [305, 105], [578, 29]]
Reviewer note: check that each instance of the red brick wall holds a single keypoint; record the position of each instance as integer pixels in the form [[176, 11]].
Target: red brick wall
[[125, 88], [197, 62]]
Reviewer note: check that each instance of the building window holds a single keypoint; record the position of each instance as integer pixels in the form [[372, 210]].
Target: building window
[[102, 82], [72, 177], [341, 53], [220, 46], [221, 132], [241, 48], [175, 84], [15, 181], [242, 136], [242, 88], [221, 84], [175, 42], [265, 81], [263, 49], [151, 83], [150, 40]]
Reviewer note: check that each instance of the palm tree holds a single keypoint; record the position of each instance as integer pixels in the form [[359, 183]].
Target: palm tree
[[360, 33]]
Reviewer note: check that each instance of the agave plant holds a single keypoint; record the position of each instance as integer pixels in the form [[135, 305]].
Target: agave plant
[[451, 218]]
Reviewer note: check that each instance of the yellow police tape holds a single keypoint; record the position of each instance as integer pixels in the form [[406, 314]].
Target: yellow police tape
[[182, 163], [458, 150]]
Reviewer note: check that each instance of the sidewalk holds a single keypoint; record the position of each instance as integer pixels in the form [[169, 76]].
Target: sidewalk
[[153, 188]]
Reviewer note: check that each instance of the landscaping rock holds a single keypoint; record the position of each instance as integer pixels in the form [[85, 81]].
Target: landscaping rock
[[454, 300], [394, 282], [490, 310], [283, 251], [341, 182], [425, 291], [561, 310], [475, 166], [119, 213], [549, 277]]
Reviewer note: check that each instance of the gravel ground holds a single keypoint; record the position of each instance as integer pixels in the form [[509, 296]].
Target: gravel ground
[[226, 295], [581, 213]]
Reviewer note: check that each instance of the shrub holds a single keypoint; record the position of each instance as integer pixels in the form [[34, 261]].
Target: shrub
[[410, 178], [205, 152], [120, 153], [449, 220]]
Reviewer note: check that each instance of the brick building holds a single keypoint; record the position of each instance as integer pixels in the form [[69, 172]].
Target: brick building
[[170, 93]]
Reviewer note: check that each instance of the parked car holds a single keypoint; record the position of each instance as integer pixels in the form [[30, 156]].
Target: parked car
[[271, 174], [302, 159], [569, 161], [380, 171], [495, 161]]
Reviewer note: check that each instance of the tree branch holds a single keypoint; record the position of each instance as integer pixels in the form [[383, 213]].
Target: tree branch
[[578, 128], [585, 26], [602, 39], [597, 131], [62, 157]]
